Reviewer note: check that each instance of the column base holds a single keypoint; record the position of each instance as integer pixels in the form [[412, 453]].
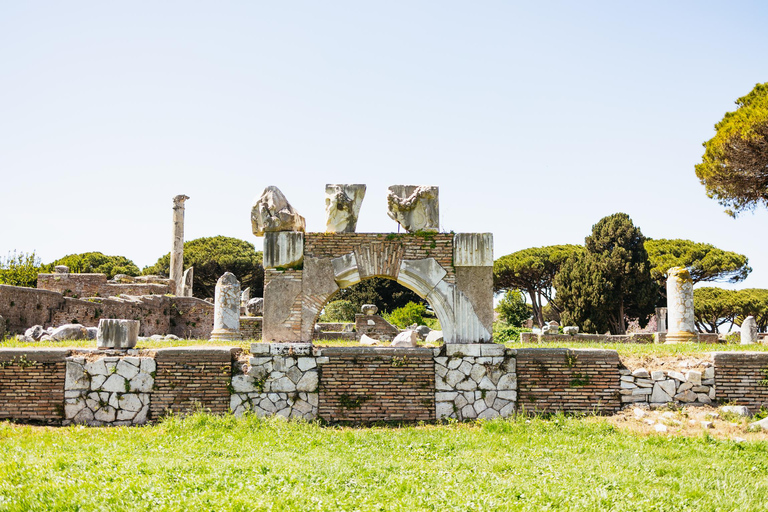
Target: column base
[[225, 335], [680, 337]]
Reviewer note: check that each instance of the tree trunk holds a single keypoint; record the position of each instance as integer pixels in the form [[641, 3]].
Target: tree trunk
[[538, 317]]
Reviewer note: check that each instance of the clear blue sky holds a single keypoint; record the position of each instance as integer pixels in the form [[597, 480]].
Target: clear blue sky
[[535, 119]]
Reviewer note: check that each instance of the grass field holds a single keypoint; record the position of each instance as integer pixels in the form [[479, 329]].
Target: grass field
[[222, 463]]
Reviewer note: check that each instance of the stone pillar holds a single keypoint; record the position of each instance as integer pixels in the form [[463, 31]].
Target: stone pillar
[[681, 326], [188, 281], [749, 331], [661, 319], [177, 251], [226, 311]]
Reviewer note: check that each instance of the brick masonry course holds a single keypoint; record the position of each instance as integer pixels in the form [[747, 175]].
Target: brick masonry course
[[742, 378], [377, 384], [32, 384]]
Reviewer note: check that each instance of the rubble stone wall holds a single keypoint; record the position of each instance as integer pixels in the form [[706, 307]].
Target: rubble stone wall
[[742, 378], [363, 385], [32, 384], [475, 381], [660, 387], [577, 380]]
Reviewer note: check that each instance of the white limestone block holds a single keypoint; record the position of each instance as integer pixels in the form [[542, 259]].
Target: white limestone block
[[117, 333], [272, 212], [114, 384], [283, 249], [473, 250], [308, 382], [342, 207], [406, 339], [415, 208]]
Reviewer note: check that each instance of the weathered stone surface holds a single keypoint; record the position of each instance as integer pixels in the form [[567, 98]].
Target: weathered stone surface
[[434, 337], [406, 339], [117, 333], [421, 275], [187, 282], [70, 332], [61, 269], [736, 409], [283, 249], [415, 208], [659, 394], [476, 284], [680, 306], [369, 309], [641, 373], [749, 331], [473, 250], [423, 331], [226, 313], [342, 207], [177, 248], [345, 270], [571, 330], [272, 212], [255, 307], [35, 332]]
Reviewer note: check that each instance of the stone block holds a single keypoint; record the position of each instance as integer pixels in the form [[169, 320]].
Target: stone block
[[342, 207], [473, 250], [415, 208], [283, 249]]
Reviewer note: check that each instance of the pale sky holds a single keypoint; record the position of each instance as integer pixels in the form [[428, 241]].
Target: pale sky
[[535, 119]]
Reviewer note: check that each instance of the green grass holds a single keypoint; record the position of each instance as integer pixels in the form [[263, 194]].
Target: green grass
[[205, 462]]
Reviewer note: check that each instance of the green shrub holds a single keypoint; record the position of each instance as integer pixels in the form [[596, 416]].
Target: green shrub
[[212, 257], [21, 269], [513, 309], [504, 333], [339, 311], [409, 314], [98, 263]]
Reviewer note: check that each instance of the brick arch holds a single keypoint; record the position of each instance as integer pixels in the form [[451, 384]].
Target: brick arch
[[453, 273]]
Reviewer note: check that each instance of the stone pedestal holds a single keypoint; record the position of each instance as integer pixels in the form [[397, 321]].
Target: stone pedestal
[[188, 280], [226, 311], [749, 331], [177, 251], [117, 333], [681, 326]]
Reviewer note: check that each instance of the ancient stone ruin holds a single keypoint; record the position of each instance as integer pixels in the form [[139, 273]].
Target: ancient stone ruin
[[303, 271]]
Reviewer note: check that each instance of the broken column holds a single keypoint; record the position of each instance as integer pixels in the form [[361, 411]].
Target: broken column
[[226, 311], [177, 251], [661, 320], [415, 208], [117, 333], [342, 207], [189, 275], [749, 331], [681, 327]]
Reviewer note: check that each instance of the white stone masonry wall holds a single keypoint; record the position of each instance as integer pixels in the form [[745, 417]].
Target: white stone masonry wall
[[280, 380], [475, 381], [661, 387], [108, 391]]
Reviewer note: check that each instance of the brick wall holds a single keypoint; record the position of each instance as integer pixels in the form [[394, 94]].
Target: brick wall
[[579, 380], [190, 377], [250, 327], [412, 246], [377, 384], [32, 384], [24, 307], [190, 317], [96, 285], [186, 317], [742, 378]]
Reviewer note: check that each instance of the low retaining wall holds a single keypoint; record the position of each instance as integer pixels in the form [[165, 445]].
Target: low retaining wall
[[742, 378], [578, 380], [356, 385], [32, 384], [364, 385]]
